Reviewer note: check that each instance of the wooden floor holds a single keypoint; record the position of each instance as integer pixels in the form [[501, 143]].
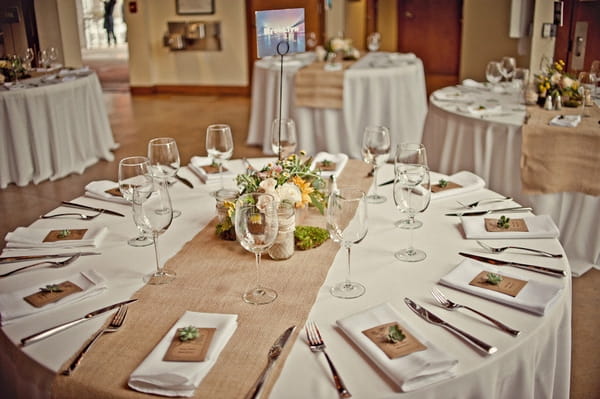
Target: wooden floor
[[135, 120]]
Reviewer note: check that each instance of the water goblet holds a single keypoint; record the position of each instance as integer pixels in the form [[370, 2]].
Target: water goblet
[[507, 67], [410, 153], [164, 160], [493, 72], [43, 59], [375, 149], [283, 137], [409, 179], [256, 227], [347, 225], [219, 146], [28, 58], [134, 172], [153, 214], [52, 55], [595, 76], [373, 41]]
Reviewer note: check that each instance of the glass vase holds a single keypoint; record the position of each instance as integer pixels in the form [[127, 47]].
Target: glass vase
[[283, 248]]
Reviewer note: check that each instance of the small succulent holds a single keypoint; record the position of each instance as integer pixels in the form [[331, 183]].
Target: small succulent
[[64, 233], [395, 334], [188, 333], [326, 162], [51, 288], [503, 222], [443, 183], [493, 278]]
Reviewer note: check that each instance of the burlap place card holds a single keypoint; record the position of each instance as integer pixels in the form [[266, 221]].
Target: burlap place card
[[326, 166], [509, 285], [436, 188], [114, 192], [47, 295], [193, 350], [65, 234], [211, 169], [513, 225], [394, 350]]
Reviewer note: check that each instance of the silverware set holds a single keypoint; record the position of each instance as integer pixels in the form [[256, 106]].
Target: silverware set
[[82, 216], [55, 265], [497, 250]]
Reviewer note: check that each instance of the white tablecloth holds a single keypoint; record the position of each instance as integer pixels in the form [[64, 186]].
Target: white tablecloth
[[391, 96], [53, 130], [490, 146], [533, 365]]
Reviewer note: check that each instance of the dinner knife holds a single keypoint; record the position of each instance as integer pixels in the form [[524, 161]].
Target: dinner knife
[[485, 212], [274, 354], [433, 319], [91, 208], [184, 181], [385, 183], [61, 327], [23, 258], [498, 262]]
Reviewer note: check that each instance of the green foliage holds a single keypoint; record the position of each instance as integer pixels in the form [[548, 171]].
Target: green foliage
[[493, 278], [307, 237], [188, 333], [395, 334]]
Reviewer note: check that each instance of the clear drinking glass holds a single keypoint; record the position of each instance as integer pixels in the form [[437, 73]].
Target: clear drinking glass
[[375, 149], [493, 72], [28, 58], [52, 55], [373, 41], [164, 160], [595, 76], [507, 67], [347, 225], [134, 172], [412, 194], [409, 153], [153, 214], [256, 227], [219, 146], [43, 59], [283, 137]]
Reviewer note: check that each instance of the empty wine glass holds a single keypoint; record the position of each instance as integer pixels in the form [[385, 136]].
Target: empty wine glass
[[256, 227], [519, 83], [347, 225], [164, 160], [52, 55], [373, 41], [283, 137], [376, 150], [43, 59], [411, 178], [219, 146], [28, 58], [507, 67], [134, 172], [493, 72], [595, 75], [415, 154], [153, 214]]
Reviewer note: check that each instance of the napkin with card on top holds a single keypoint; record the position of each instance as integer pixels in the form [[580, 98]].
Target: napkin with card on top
[[105, 190], [30, 237]]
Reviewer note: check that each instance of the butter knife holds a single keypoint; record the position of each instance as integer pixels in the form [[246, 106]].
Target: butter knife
[[488, 211], [433, 319], [14, 259], [91, 208], [274, 354], [184, 181], [61, 327], [499, 262]]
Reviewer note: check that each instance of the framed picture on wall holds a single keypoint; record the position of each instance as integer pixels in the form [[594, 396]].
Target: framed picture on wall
[[195, 6]]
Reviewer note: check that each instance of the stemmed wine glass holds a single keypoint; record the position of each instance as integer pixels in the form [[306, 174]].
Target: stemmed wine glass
[[376, 150], [410, 178], [153, 214], [164, 160], [507, 67], [134, 172], [493, 72], [283, 137], [373, 41], [16, 64], [415, 154], [595, 75], [43, 59], [219, 145], [256, 227], [347, 225], [52, 55], [28, 58]]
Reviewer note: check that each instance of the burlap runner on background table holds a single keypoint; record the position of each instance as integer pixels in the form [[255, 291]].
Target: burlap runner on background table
[[211, 276], [561, 159], [317, 88]]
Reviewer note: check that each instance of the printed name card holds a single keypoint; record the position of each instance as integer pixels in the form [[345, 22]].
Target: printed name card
[[491, 225], [393, 350], [213, 169], [436, 188], [509, 285], [52, 293], [326, 166], [193, 350], [114, 192], [65, 234]]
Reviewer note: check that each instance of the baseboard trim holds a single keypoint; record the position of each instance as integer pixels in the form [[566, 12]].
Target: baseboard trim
[[191, 90]]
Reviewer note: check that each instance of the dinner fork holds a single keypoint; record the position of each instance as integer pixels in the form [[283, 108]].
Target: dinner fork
[[82, 216], [62, 263], [116, 322], [448, 304], [316, 344], [502, 249], [485, 200]]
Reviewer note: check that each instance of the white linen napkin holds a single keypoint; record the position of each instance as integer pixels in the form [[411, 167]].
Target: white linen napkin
[[196, 164], [409, 372], [97, 189], [452, 95], [469, 182], [539, 226], [565, 120], [13, 306], [339, 159], [29, 237], [482, 110], [535, 297], [158, 377], [473, 83]]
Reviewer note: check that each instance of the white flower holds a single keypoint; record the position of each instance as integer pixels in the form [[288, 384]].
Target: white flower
[[268, 186], [566, 82], [555, 78], [289, 192], [338, 44]]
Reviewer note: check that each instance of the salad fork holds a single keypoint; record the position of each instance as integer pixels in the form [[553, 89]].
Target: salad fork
[[485, 200], [62, 263], [502, 249], [82, 216], [316, 344], [448, 304]]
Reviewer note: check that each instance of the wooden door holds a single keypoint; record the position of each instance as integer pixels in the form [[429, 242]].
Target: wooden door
[[575, 11], [432, 30]]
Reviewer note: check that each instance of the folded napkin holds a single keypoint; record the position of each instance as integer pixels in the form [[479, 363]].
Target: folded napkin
[[565, 120], [158, 377], [340, 161], [535, 297], [452, 95], [482, 110], [97, 189], [383, 60], [469, 182], [29, 237], [540, 226], [409, 372], [13, 306], [473, 83], [196, 164], [74, 71]]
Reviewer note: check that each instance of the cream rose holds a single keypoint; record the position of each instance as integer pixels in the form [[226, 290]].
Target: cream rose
[[289, 192], [268, 186], [566, 82]]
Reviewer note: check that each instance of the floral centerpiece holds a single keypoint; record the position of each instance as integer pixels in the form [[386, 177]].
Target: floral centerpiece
[[555, 81], [11, 69], [338, 45]]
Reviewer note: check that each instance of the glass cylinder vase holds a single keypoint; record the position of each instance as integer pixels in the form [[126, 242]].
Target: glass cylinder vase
[[283, 248], [225, 200]]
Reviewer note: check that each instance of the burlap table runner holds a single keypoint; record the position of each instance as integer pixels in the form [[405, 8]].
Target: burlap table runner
[[561, 159], [317, 88], [211, 276]]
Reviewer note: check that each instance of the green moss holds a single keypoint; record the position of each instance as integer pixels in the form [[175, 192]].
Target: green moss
[[307, 237]]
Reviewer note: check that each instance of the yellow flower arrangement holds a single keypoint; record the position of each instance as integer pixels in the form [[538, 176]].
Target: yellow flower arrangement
[[556, 81]]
